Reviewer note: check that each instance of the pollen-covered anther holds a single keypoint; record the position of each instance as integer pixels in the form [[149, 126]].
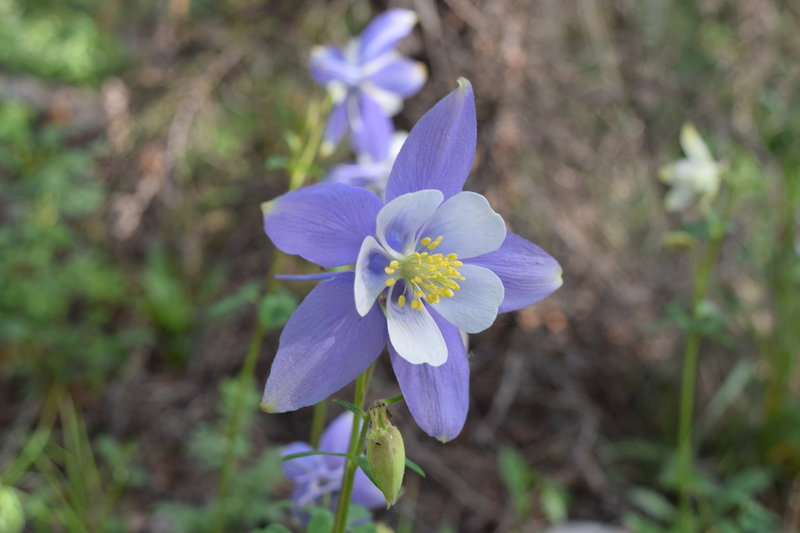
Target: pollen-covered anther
[[428, 277]]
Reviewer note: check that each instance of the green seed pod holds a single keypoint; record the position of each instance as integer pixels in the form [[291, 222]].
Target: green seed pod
[[12, 517], [386, 454]]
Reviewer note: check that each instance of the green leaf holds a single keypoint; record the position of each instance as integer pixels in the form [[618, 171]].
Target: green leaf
[[314, 452], [350, 407], [277, 162], [321, 521], [360, 515], [233, 302], [276, 308], [364, 465], [415, 467], [653, 503], [554, 503], [640, 524], [517, 477], [731, 390], [393, 399]]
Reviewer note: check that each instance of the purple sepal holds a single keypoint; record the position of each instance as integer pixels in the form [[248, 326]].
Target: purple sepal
[[329, 64], [323, 223], [384, 32], [401, 76], [438, 397], [371, 130], [439, 151], [335, 127], [528, 273], [323, 347]]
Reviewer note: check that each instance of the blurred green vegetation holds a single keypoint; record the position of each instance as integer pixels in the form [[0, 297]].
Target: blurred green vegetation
[[89, 312], [67, 293], [58, 40]]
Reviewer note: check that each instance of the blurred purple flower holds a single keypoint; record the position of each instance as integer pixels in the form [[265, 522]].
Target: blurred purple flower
[[366, 172], [436, 259], [314, 476], [368, 80]]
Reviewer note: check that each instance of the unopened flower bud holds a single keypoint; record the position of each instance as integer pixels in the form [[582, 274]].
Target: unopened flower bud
[[386, 454], [12, 517]]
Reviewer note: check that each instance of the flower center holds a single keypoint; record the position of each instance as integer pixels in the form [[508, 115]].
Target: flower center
[[427, 275]]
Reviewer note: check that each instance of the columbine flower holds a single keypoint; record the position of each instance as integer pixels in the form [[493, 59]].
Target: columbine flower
[[366, 172], [367, 81], [696, 175], [430, 261], [314, 476]]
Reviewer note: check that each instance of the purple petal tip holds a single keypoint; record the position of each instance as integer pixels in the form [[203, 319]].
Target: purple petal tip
[[267, 408]]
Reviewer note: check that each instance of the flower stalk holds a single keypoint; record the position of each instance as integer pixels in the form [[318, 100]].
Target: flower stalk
[[303, 155], [685, 457], [358, 436], [318, 422]]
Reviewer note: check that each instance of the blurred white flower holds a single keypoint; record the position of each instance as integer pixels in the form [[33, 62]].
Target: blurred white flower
[[695, 176]]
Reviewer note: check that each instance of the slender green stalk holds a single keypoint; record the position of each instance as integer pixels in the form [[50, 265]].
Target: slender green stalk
[[357, 439], [689, 376], [302, 161], [780, 345], [318, 422]]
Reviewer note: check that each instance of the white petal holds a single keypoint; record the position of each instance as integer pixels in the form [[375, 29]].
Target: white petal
[[468, 225], [681, 172], [474, 307], [370, 276], [414, 334], [398, 221], [693, 145], [679, 198], [398, 139], [389, 102]]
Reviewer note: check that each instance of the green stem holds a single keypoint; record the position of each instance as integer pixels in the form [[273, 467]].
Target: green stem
[[303, 160], [356, 446], [318, 422], [689, 375]]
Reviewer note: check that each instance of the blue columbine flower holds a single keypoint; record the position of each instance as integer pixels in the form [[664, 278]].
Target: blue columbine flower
[[314, 476], [366, 172], [428, 262], [368, 81]]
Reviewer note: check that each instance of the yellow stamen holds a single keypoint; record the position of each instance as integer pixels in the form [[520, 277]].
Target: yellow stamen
[[428, 276], [435, 243]]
